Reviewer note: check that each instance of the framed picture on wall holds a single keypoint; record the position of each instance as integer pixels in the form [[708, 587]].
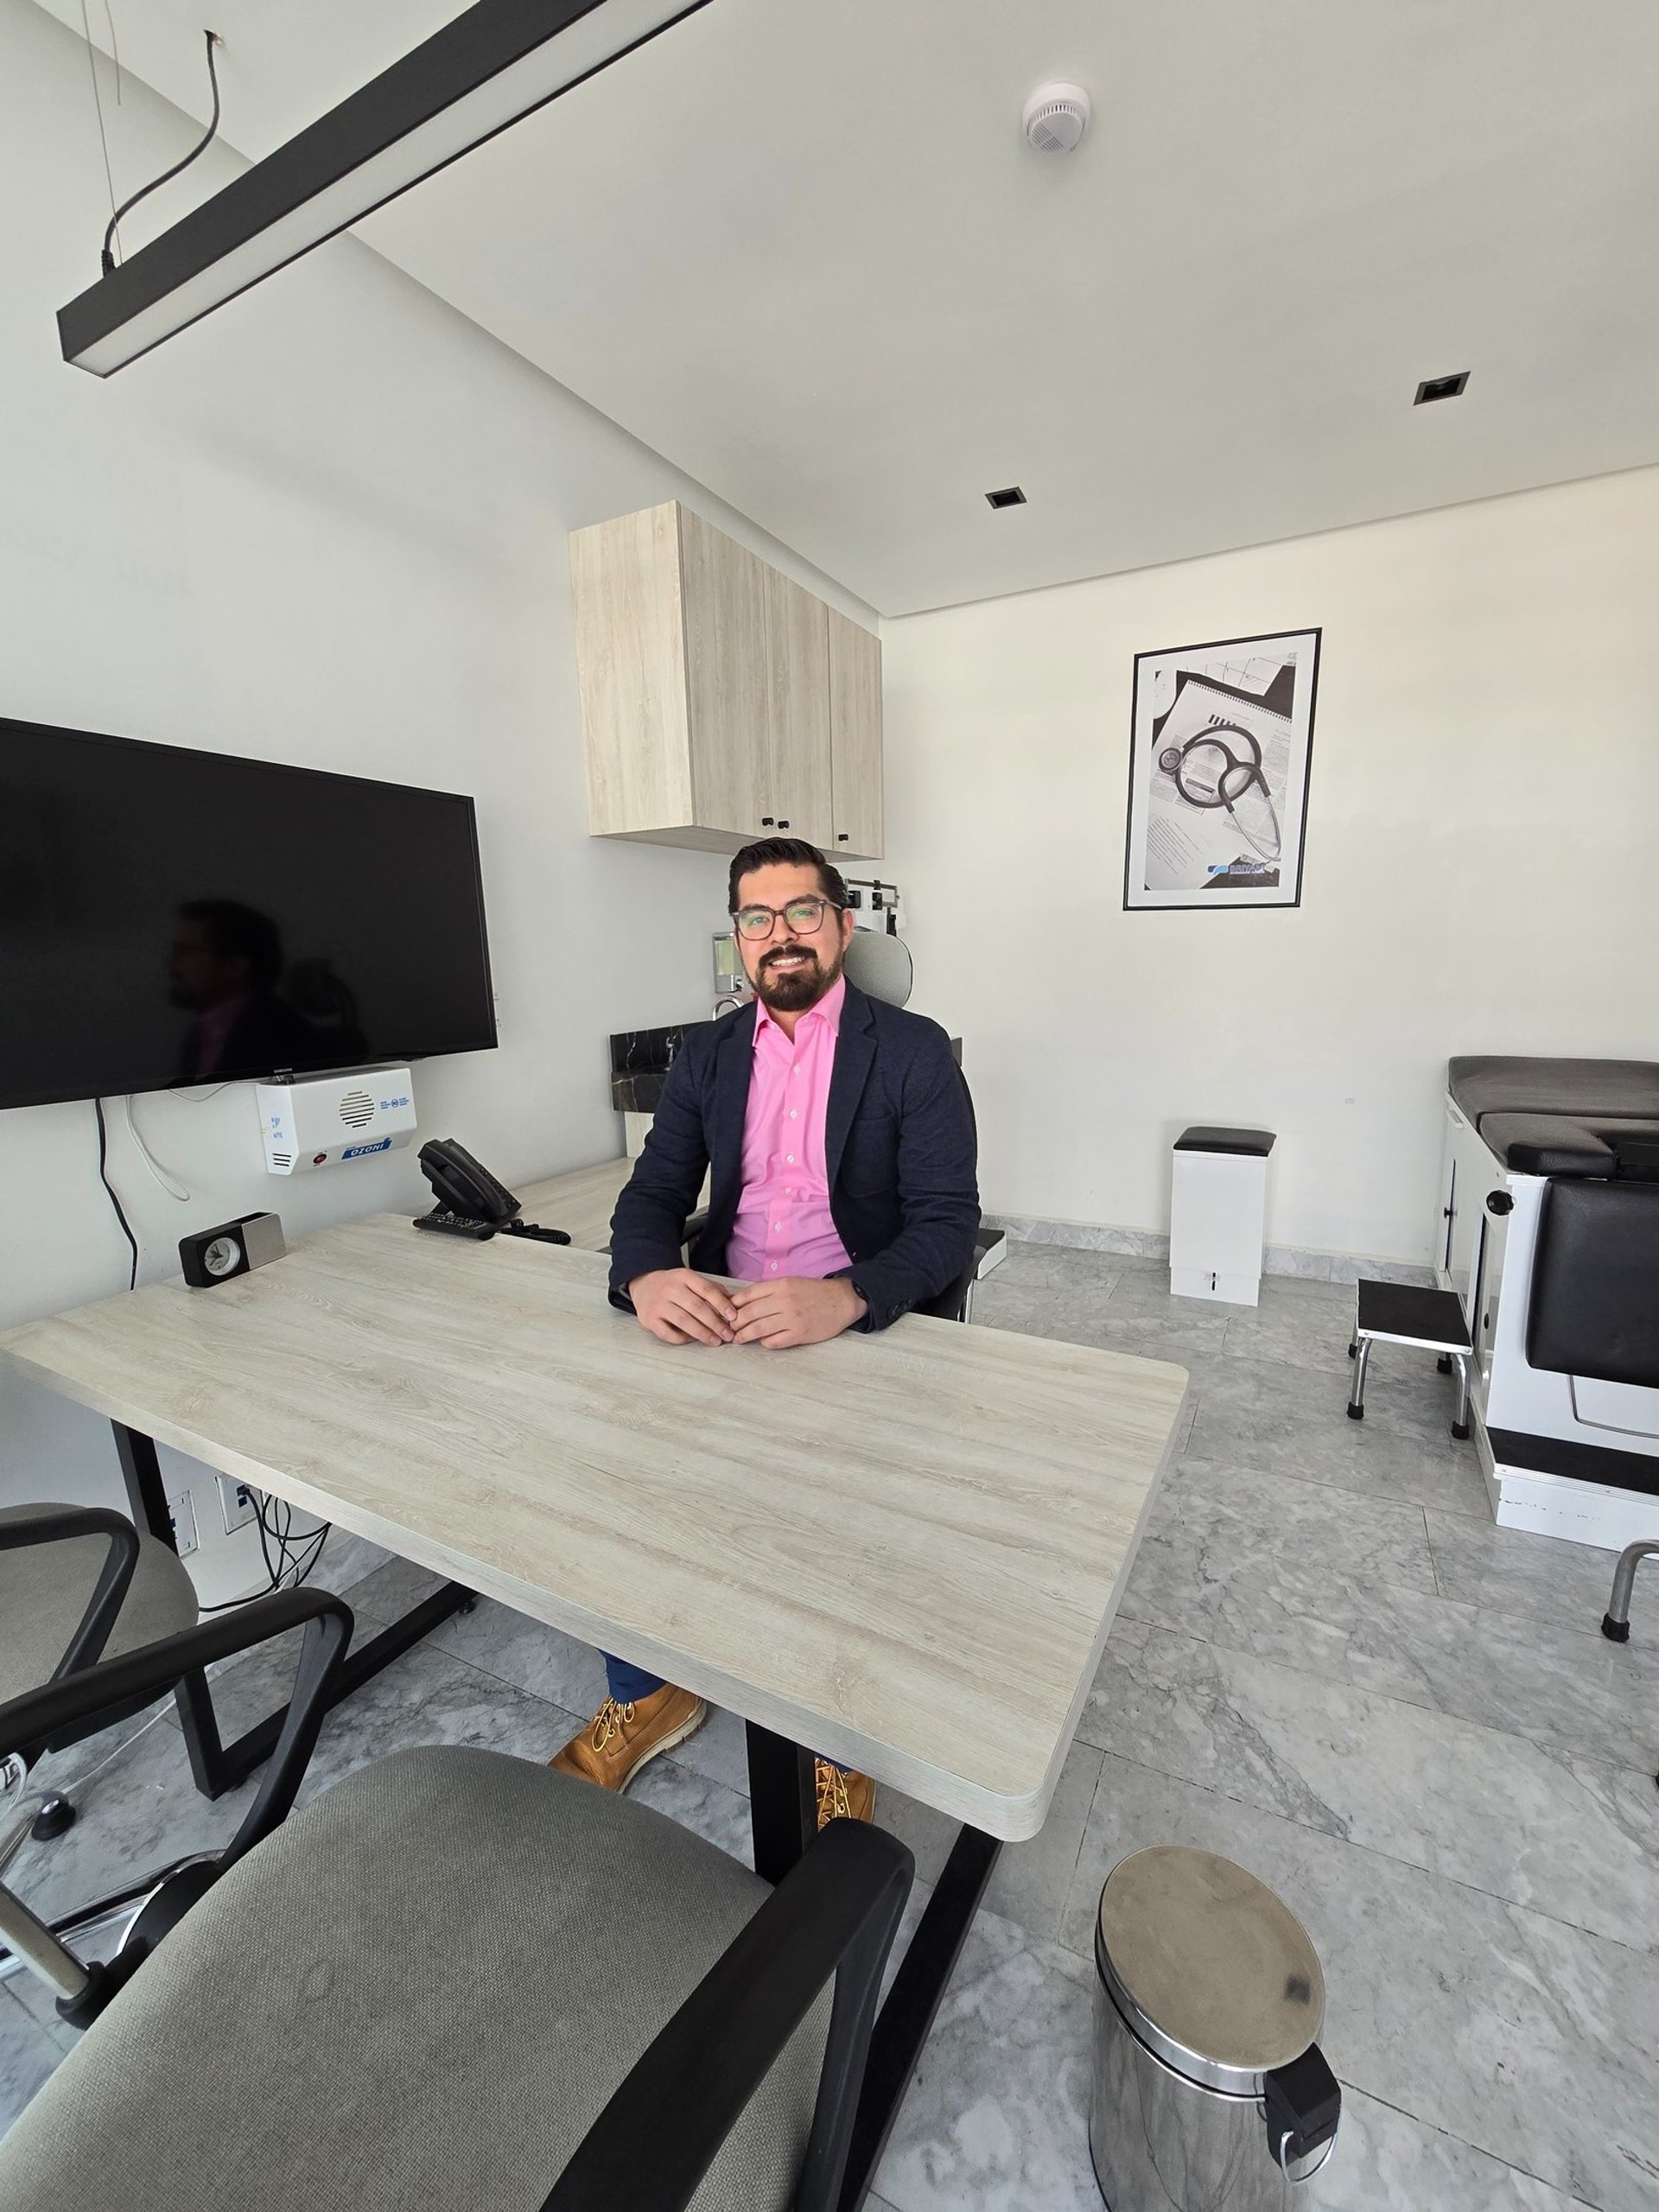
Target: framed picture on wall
[[1219, 741]]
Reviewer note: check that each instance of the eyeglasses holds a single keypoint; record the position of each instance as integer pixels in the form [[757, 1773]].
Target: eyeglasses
[[802, 916]]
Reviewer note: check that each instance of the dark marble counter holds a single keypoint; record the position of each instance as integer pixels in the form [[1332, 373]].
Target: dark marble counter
[[640, 1060]]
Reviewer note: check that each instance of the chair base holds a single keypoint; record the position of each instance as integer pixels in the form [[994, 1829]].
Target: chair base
[[1615, 1631], [55, 1818]]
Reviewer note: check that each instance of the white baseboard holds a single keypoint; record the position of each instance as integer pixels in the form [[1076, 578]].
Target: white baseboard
[[1152, 1244]]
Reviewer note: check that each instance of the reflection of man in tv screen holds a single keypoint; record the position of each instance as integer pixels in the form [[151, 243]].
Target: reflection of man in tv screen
[[225, 965]]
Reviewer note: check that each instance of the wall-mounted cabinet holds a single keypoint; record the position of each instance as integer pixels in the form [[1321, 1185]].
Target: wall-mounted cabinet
[[719, 699]]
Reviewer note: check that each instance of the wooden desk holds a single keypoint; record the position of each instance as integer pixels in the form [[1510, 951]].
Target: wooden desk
[[903, 1550]]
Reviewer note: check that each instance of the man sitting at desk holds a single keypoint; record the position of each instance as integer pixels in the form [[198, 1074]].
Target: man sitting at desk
[[841, 1140]]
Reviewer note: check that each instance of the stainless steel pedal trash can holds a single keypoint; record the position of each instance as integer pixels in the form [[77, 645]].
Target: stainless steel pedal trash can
[[1210, 2092]]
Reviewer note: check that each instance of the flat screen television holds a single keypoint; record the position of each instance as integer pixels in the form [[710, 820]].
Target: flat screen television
[[169, 916]]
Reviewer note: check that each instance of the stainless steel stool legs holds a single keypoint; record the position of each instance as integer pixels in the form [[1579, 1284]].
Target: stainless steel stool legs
[[1460, 1419], [1359, 1350], [1616, 1620], [1356, 1395]]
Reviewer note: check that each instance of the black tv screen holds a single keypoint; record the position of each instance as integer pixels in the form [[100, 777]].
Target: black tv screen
[[169, 916]]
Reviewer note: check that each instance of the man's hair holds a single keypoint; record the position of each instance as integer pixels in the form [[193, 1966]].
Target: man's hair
[[239, 933], [784, 852]]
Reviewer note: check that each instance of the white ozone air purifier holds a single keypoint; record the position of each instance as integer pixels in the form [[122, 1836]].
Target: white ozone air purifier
[[318, 1121]]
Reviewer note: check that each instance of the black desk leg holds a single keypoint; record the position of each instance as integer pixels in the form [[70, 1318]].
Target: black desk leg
[[902, 2025], [217, 1766], [782, 1811], [783, 1800]]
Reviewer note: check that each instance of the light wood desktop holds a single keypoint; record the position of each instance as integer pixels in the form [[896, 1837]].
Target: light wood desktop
[[903, 1550]]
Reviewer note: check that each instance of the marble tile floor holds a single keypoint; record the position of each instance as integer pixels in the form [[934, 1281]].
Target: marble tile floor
[[1328, 1663]]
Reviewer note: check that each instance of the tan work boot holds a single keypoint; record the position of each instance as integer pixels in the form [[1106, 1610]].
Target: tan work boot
[[843, 1795], [624, 1738]]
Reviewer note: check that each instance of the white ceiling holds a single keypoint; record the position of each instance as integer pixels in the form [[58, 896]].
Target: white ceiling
[[803, 250]]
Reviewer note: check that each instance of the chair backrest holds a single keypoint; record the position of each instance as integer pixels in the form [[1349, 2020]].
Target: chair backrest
[[880, 966]]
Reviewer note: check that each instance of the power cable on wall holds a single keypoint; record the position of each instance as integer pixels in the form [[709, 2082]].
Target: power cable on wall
[[163, 1176], [104, 1178]]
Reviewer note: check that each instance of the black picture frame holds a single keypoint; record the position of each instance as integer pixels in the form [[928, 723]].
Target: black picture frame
[[1221, 822]]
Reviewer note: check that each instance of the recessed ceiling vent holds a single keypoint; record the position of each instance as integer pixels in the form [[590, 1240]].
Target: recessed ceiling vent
[[1441, 388], [1010, 496], [1056, 117]]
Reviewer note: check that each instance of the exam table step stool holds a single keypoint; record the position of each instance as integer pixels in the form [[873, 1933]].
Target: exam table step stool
[[1401, 1313]]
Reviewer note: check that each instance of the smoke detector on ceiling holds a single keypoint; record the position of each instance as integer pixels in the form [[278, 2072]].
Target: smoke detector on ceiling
[[1056, 117]]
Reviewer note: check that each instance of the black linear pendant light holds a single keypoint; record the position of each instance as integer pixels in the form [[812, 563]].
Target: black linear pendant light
[[499, 61]]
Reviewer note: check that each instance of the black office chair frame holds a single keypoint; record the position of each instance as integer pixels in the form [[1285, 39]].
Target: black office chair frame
[[67, 1524], [836, 1914], [74, 1705]]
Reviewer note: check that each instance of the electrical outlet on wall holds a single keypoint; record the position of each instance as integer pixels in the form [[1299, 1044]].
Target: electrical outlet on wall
[[237, 1503], [182, 1514]]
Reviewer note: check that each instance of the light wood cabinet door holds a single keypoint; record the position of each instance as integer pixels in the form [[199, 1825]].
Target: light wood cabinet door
[[855, 739], [625, 581], [797, 795], [724, 589], [720, 701]]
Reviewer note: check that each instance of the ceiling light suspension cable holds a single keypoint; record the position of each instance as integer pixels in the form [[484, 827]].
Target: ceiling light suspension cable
[[166, 176]]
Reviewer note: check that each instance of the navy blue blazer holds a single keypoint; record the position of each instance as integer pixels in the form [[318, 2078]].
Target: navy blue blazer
[[899, 1151]]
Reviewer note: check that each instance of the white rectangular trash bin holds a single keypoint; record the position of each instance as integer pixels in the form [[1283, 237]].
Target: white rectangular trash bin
[[1218, 1212]]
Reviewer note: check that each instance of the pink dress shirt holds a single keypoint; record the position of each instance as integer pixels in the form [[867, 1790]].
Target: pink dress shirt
[[782, 1225]]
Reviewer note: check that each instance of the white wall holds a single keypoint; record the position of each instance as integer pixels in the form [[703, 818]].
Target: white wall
[[1482, 857], [327, 526]]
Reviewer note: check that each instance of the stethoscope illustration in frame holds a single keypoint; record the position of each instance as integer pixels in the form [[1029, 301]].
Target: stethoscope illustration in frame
[[1221, 766]]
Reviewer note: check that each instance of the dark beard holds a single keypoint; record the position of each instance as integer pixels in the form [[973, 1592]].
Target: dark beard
[[794, 994]]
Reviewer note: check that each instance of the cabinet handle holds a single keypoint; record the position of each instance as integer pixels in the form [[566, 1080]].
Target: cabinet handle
[[782, 824], [767, 821], [841, 836]]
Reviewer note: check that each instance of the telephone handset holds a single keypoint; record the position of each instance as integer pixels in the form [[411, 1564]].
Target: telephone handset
[[463, 1185], [471, 1202]]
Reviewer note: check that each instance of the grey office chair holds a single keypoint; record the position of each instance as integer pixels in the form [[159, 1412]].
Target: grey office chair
[[461, 1980], [78, 1584]]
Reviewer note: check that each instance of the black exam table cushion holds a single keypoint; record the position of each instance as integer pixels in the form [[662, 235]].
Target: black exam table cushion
[[1557, 1144], [1594, 1309], [1483, 1084]]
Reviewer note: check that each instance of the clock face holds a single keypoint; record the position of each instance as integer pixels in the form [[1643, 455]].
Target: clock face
[[223, 1257]]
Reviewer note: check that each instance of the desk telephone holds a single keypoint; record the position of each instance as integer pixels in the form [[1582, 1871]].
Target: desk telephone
[[471, 1202]]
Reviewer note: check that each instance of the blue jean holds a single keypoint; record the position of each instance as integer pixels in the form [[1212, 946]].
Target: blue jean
[[631, 1685]]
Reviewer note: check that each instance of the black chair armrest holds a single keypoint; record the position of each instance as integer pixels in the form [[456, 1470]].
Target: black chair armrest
[[60, 1524], [949, 1304], [835, 1912], [135, 1677]]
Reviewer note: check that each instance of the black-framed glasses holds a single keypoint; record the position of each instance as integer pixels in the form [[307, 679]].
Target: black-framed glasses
[[803, 916]]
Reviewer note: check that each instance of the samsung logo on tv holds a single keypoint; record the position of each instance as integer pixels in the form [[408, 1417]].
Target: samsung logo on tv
[[357, 1151]]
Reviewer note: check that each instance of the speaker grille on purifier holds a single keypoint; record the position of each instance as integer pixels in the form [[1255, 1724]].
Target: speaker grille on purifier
[[357, 1108]]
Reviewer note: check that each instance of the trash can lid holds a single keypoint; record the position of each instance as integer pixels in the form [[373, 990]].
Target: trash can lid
[[1207, 1966]]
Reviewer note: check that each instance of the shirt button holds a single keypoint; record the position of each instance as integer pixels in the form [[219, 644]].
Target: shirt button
[[793, 1114], [790, 1160], [774, 1267]]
